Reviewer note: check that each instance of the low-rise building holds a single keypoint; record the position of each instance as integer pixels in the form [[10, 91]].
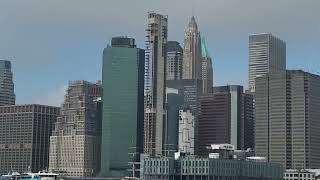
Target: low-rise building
[[193, 167], [291, 174]]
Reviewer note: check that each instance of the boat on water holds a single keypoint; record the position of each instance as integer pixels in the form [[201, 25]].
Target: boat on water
[[130, 178], [30, 176], [11, 175], [47, 175]]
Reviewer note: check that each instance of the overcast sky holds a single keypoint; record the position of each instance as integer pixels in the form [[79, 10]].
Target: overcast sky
[[51, 42]]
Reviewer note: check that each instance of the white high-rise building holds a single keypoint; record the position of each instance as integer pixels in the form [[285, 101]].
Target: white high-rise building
[[155, 83], [186, 131], [192, 62], [75, 141], [267, 53]]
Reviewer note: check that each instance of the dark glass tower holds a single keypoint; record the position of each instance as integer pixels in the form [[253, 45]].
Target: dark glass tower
[[123, 106], [7, 96]]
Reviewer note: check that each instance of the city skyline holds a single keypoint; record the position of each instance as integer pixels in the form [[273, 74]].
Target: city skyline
[[38, 37]]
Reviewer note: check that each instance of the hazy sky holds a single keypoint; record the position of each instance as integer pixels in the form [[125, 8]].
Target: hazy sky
[[51, 42]]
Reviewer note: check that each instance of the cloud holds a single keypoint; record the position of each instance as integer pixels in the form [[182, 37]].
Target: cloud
[[54, 97]]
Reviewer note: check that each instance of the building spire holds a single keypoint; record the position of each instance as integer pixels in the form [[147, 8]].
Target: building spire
[[204, 49], [192, 26]]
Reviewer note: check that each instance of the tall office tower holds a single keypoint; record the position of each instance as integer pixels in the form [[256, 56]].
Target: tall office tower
[[192, 62], [7, 96], [226, 117], [171, 127], [287, 119], [155, 83], [247, 123], [186, 131], [191, 91], [174, 60], [74, 144], [267, 53], [207, 69], [123, 106], [24, 137]]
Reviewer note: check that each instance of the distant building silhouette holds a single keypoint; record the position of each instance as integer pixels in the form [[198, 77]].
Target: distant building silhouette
[[7, 96]]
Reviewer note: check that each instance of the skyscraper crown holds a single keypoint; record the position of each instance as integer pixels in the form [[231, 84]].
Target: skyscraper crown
[[204, 49], [192, 26]]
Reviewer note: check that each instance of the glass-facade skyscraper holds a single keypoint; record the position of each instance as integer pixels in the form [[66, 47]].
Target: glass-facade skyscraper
[[7, 96], [123, 106], [267, 53]]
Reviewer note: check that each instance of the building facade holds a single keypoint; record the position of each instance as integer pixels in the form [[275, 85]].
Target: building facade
[[247, 123], [174, 103], [191, 91], [267, 53], [207, 69], [291, 174], [75, 141], [226, 116], [194, 168], [155, 83], [287, 111], [174, 60], [123, 106], [24, 137], [7, 96], [186, 131], [192, 62]]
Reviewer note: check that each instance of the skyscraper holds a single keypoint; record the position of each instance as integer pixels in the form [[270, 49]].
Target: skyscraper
[[24, 137], [191, 91], [155, 83], [192, 62], [267, 53], [207, 69], [174, 60], [287, 119], [123, 106], [7, 96], [226, 116], [75, 141], [174, 103]]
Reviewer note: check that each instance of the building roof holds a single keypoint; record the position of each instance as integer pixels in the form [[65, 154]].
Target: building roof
[[192, 26], [204, 49]]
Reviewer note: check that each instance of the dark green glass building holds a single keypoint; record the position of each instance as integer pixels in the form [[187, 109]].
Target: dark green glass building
[[123, 107]]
